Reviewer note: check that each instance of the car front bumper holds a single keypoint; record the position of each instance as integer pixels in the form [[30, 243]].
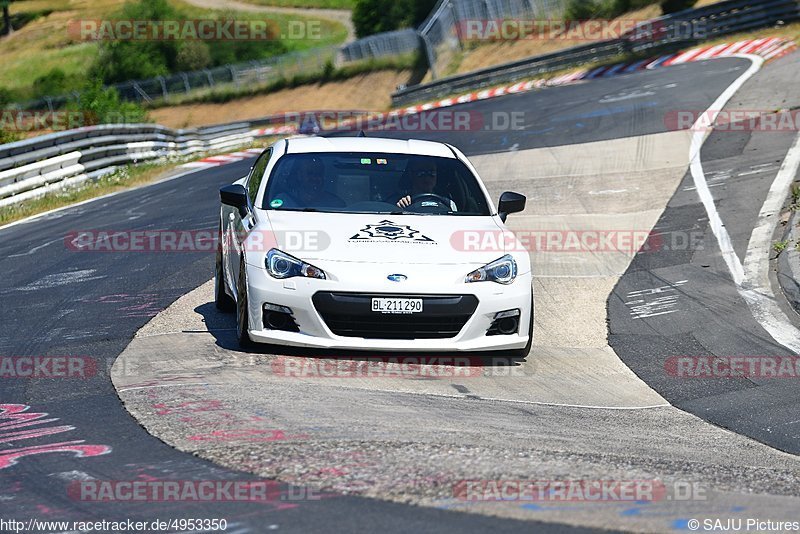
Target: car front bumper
[[297, 294]]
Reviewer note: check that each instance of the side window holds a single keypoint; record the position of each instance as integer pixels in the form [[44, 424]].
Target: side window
[[257, 175]]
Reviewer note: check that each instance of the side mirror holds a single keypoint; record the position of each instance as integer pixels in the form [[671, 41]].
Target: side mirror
[[510, 203], [236, 196]]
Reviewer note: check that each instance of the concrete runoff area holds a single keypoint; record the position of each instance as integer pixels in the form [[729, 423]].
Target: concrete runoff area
[[571, 411]]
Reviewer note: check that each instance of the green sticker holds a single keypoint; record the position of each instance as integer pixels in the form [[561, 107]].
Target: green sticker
[[277, 203], [366, 161]]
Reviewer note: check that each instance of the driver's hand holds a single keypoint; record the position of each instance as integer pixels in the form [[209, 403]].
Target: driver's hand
[[404, 202]]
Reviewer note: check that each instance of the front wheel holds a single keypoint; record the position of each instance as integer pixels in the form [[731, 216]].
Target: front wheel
[[242, 306]]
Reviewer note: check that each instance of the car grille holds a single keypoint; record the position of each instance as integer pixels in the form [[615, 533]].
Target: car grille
[[351, 315]]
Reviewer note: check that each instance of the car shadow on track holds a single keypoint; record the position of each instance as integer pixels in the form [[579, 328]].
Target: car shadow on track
[[223, 327]]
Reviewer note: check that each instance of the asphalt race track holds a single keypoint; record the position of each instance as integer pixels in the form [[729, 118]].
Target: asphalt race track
[[740, 166], [61, 302]]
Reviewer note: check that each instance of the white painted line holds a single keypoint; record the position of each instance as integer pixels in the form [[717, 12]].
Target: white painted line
[[161, 386], [198, 165], [756, 289], [700, 129], [752, 278], [224, 159]]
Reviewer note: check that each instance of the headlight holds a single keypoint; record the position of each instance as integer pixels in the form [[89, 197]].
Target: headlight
[[502, 271], [280, 265]]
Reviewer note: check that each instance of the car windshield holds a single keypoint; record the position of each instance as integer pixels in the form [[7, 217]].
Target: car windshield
[[374, 183]]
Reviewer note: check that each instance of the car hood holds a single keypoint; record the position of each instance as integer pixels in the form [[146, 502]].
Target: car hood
[[390, 239]]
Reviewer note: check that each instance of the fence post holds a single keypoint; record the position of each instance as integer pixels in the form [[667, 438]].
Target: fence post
[[164, 92], [429, 54]]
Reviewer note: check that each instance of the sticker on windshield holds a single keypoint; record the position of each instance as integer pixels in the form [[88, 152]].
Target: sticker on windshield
[[387, 230], [366, 161], [428, 203], [276, 203], [381, 161]]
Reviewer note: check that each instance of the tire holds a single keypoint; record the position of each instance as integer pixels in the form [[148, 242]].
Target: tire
[[242, 314], [222, 300], [521, 354]]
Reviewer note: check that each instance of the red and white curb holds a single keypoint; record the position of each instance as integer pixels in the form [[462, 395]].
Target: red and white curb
[[768, 48], [216, 161]]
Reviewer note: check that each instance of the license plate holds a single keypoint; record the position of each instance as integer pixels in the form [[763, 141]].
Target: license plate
[[384, 305]]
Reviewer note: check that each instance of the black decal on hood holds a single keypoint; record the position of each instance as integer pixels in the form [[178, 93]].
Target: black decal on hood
[[387, 230]]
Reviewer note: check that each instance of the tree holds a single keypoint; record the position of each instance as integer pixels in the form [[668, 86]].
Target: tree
[[673, 6], [7, 28], [376, 16]]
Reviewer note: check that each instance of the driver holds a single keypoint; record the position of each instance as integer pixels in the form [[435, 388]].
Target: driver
[[423, 182]]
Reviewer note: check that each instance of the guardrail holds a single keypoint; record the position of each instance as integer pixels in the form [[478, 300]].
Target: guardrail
[[656, 36], [37, 166]]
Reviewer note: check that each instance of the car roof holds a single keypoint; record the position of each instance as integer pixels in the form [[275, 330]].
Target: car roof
[[305, 145]]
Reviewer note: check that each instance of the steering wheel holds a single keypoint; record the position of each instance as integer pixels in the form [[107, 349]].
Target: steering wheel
[[442, 201]]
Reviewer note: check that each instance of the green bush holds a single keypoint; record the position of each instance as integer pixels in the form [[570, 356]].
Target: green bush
[[101, 105], [580, 10], [6, 96], [328, 71], [56, 82], [192, 55]]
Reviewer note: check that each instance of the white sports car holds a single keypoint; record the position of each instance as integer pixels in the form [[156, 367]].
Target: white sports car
[[358, 243]]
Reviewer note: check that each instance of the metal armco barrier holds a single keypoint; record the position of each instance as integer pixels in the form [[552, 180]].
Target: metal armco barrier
[[34, 167]]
